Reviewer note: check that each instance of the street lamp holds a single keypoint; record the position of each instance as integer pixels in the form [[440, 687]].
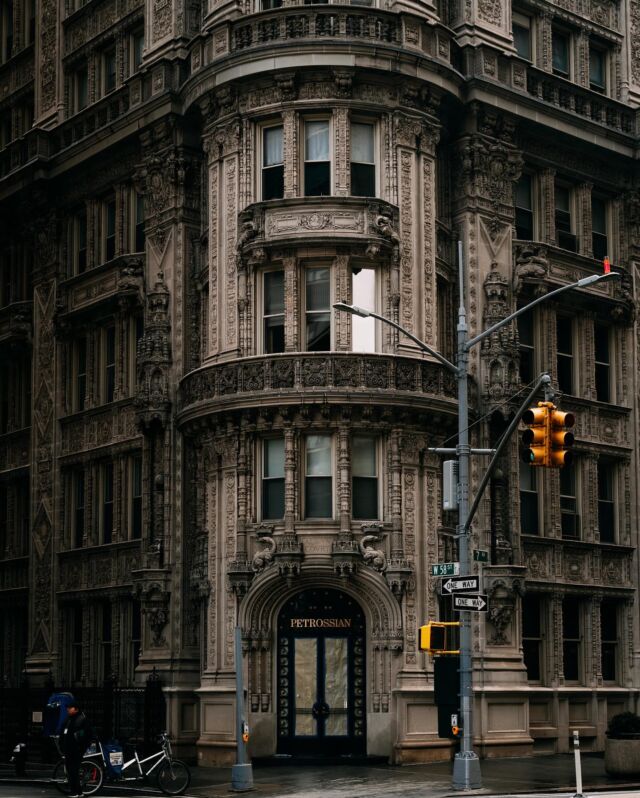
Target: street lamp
[[466, 765]]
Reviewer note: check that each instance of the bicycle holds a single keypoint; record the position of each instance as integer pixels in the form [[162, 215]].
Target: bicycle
[[91, 776], [172, 775]]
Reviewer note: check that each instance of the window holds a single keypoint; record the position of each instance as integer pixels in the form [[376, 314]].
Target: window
[[571, 642], [521, 28], [6, 30], [80, 373], [318, 492], [529, 523], [531, 636], [527, 351], [5, 380], [569, 519], [109, 228], [564, 236], [23, 496], [317, 166], [273, 478], [364, 478], [81, 88], [30, 22], [106, 490], [267, 5], [109, 374], [606, 504], [597, 69], [608, 640], [564, 343], [138, 222], [524, 208], [363, 169], [136, 47], [76, 643], [135, 481], [363, 291], [272, 163], [601, 335], [108, 70], [79, 242], [136, 331], [106, 625], [317, 310], [560, 53], [599, 239], [273, 315], [136, 634], [77, 498]]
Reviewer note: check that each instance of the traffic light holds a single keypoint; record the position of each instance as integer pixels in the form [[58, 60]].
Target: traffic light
[[561, 440], [440, 637], [535, 439]]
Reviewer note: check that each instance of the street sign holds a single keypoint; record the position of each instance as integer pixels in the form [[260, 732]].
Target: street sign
[[445, 569], [480, 555], [474, 603], [465, 584]]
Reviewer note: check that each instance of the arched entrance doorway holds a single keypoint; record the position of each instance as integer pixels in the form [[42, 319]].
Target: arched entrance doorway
[[321, 675]]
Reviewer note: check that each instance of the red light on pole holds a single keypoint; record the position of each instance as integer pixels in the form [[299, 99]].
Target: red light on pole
[[607, 264]]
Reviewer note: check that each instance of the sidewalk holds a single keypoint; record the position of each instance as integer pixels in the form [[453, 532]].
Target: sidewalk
[[500, 777]]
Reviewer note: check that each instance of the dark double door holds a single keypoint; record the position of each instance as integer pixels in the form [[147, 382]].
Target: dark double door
[[321, 675]]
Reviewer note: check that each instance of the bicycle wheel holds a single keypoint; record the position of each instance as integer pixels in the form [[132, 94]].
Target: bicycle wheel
[[173, 777], [60, 779], [91, 776]]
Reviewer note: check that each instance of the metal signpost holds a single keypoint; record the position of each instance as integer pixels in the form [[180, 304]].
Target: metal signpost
[[466, 765]]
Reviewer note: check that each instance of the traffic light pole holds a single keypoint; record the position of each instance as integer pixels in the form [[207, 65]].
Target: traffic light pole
[[466, 765]]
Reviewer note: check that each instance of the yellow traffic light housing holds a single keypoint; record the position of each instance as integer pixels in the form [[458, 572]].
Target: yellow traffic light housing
[[440, 637], [535, 439], [560, 438]]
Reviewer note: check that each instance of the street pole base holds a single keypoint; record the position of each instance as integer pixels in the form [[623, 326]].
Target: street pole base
[[242, 778], [466, 771]]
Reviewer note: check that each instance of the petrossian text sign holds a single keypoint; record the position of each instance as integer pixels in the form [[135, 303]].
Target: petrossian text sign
[[321, 623]]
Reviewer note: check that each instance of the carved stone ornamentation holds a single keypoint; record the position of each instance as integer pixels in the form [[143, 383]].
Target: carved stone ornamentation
[[373, 557], [530, 263], [153, 400], [500, 350], [504, 586], [263, 558]]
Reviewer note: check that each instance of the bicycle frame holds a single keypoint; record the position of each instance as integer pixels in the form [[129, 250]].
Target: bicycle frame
[[159, 757]]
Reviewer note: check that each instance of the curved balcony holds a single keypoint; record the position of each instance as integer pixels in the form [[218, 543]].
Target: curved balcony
[[256, 39], [328, 376], [319, 220]]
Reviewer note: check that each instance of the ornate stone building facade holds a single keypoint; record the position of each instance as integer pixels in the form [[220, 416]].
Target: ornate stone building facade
[[191, 438]]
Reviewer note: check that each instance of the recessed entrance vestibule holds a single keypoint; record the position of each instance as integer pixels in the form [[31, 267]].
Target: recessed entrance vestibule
[[321, 675]]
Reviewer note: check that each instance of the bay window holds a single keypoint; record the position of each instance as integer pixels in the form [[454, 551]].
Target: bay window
[[273, 312], [606, 503], [363, 291], [272, 163], [564, 353], [363, 169], [273, 478], [565, 237], [109, 229], [609, 640], [524, 208], [109, 372], [135, 483], [599, 240], [318, 479], [317, 298], [560, 52], [571, 638], [317, 163], [532, 636], [569, 519], [601, 334], [364, 471]]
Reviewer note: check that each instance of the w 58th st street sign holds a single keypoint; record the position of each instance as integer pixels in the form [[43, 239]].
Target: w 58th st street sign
[[464, 584], [476, 603]]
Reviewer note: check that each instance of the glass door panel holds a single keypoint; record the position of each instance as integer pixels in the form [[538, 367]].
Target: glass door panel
[[306, 685], [336, 686]]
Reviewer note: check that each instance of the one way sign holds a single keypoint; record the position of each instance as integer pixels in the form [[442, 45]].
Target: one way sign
[[464, 584], [474, 603]]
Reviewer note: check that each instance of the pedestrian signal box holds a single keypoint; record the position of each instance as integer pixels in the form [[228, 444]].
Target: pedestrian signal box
[[440, 637]]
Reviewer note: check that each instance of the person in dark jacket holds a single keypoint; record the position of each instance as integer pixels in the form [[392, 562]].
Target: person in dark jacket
[[75, 737]]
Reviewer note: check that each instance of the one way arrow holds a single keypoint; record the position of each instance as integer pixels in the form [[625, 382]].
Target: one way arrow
[[474, 603], [467, 584]]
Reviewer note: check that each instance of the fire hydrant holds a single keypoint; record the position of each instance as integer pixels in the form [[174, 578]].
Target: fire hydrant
[[19, 759]]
